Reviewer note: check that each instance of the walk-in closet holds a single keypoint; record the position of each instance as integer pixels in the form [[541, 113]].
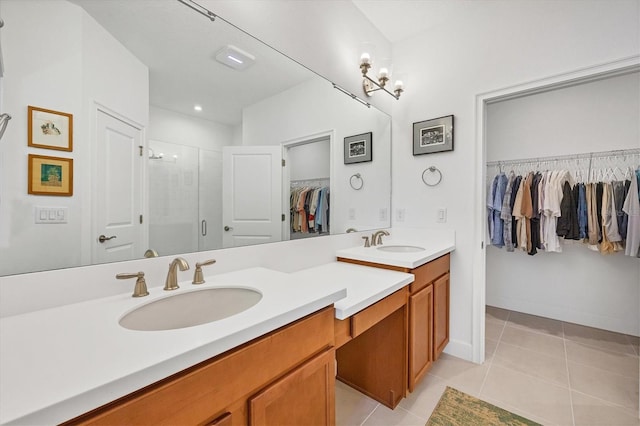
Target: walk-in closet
[[589, 129], [309, 188]]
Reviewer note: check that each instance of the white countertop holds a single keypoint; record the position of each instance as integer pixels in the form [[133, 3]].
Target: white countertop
[[58, 363], [365, 285], [434, 246]]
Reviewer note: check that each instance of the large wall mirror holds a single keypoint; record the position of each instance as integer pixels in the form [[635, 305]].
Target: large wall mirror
[[151, 174]]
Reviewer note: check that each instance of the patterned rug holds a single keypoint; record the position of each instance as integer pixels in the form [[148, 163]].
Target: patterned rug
[[456, 408]]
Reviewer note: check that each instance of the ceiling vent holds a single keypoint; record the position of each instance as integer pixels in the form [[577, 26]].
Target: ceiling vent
[[235, 58]]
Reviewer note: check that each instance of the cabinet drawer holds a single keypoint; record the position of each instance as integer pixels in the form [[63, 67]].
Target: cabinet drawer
[[198, 393], [370, 316], [429, 272]]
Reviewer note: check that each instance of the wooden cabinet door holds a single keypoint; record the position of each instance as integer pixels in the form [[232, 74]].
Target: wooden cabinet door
[[306, 396], [440, 315], [420, 335]]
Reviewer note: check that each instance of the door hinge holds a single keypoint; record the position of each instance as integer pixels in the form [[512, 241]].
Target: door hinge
[[283, 217], [482, 244], [140, 218], [141, 147], [283, 162]]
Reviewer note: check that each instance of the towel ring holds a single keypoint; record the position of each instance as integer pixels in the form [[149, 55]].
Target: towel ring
[[432, 169], [359, 183]]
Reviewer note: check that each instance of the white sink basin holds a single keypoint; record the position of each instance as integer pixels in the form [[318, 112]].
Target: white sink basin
[[190, 309], [401, 249]]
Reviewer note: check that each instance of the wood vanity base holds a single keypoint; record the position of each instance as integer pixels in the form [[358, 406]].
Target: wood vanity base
[[375, 362], [428, 318], [258, 383]]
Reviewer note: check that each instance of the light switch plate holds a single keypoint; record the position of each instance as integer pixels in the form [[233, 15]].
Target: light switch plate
[[51, 214]]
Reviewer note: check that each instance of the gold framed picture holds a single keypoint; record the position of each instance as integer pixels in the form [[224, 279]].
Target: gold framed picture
[[50, 129], [50, 175]]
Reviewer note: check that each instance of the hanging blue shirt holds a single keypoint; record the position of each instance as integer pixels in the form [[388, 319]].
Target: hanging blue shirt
[[497, 238]]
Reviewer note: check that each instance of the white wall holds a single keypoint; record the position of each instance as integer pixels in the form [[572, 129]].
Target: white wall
[[65, 72], [595, 116], [324, 35], [499, 45], [310, 161], [578, 285], [312, 108], [169, 126]]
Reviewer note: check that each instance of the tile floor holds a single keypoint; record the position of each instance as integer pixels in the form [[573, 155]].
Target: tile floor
[[549, 371]]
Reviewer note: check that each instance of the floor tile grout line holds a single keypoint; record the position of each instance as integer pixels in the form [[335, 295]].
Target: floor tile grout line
[[370, 414], [609, 350], [566, 366], [490, 363], [625, 408]]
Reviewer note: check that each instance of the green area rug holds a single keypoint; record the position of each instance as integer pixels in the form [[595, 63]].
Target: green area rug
[[456, 408]]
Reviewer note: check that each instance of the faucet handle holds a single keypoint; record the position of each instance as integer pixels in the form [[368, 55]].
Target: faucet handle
[[140, 288], [198, 278], [366, 241]]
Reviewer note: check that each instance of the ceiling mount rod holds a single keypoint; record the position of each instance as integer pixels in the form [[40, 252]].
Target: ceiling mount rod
[[200, 9]]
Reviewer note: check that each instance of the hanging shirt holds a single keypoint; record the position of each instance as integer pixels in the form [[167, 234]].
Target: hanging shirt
[[582, 211], [592, 216], [519, 216], [500, 189], [619, 195], [527, 211], [632, 208], [505, 213], [491, 194], [514, 193]]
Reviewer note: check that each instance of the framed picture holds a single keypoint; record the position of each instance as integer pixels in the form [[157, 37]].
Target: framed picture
[[431, 136], [50, 175], [50, 129], [357, 149]]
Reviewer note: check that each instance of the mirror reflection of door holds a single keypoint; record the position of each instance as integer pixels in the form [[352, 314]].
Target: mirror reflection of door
[[308, 204], [184, 194], [251, 195], [118, 190]]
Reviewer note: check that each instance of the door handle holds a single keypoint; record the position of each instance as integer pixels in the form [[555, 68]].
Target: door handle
[[203, 228], [228, 228], [102, 238]]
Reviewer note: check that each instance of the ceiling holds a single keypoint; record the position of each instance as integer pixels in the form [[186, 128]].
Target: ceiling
[[398, 20], [179, 47]]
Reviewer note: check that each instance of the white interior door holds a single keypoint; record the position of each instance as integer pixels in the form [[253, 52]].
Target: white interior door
[[251, 195], [118, 231]]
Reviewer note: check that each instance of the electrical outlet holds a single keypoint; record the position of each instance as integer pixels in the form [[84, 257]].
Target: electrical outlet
[[441, 215], [352, 214], [383, 214], [400, 215]]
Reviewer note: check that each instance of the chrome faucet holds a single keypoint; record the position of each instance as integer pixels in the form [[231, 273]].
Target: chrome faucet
[[376, 237], [172, 277]]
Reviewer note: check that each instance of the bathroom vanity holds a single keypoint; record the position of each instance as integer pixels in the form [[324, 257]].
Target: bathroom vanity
[[77, 364], [428, 315]]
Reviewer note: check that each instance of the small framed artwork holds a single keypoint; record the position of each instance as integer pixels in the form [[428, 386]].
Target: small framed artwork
[[357, 149], [50, 129], [434, 135], [50, 175]]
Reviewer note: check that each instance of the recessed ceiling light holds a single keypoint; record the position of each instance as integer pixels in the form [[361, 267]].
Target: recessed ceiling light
[[197, 107], [235, 58]]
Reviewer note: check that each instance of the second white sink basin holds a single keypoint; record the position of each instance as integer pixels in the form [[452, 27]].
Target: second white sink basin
[[401, 249], [190, 309]]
